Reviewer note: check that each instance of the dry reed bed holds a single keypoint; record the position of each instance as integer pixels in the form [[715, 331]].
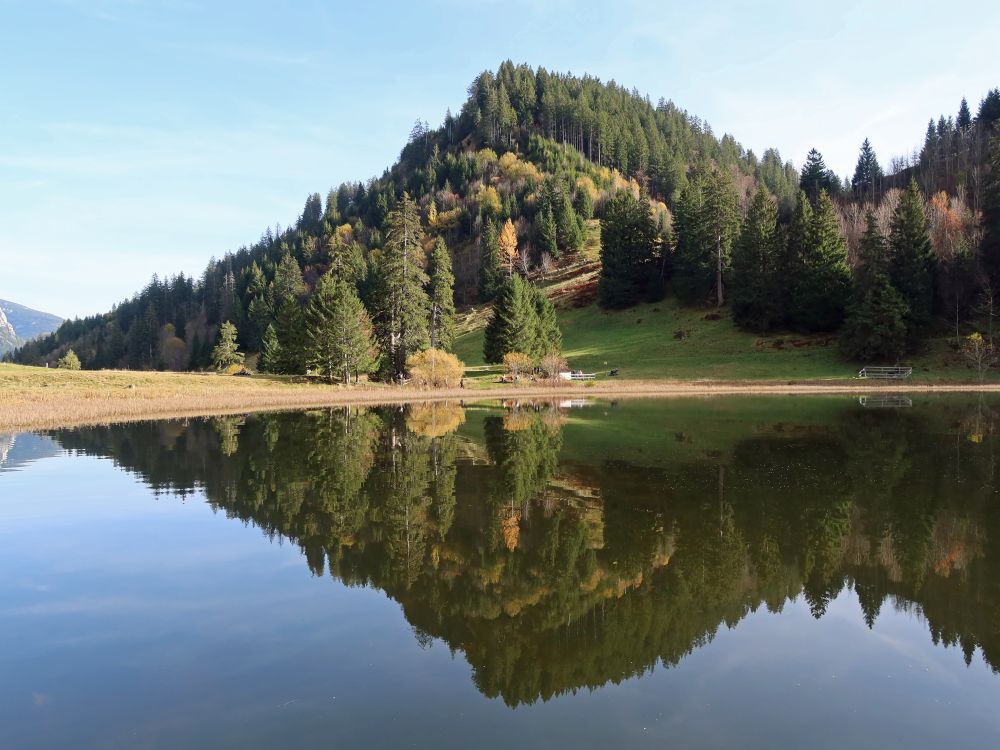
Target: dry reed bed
[[32, 398]]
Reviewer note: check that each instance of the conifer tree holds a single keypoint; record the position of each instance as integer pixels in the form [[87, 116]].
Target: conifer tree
[[547, 231], [270, 351], [911, 266], [875, 328], [441, 292], [692, 272], [340, 342], [490, 272], [815, 177], [345, 257], [226, 351], [584, 203], [567, 225], [990, 247], [402, 304], [964, 120], [756, 297], [288, 284], [721, 219], [818, 268], [289, 326], [513, 324], [628, 247], [548, 335], [867, 180]]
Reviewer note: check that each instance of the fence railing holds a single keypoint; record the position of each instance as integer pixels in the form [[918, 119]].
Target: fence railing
[[885, 373]]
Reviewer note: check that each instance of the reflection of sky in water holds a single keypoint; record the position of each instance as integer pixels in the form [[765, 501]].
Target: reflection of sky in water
[[139, 621]]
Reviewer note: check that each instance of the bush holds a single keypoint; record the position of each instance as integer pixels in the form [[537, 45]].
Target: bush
[[515, 363], [435, 368], [69, 361]]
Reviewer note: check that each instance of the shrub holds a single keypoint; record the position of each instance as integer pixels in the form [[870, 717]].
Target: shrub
[[435, 368], [515, 363], [69, 361]]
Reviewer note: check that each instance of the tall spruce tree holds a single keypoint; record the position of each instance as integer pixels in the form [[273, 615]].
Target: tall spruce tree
[[441, 293], [513, 326], [547, 231], [722, 223], [756, 256], [340, 342], [226, 351], [818, 271], [402, 304], [990, 246], [875, 328], [490, 270], [964, 120], [628, 248], [289, 327], [548, 335], [867, 180], [815, 177], [270, 351], [692, 262], [912, 263]]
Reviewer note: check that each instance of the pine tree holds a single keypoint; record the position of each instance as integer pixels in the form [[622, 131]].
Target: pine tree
[[584, 203], [548, 232], [815, 177], [692, 262], [567, 225], [401, 320], [226, 351], [818, 269], [964, 120], [721, 218], [990, 247], [867, 180], [514, 323], [875, 328], [339, 331], [441, 292], [756, 297], [911, 266], [548, 335], [270, 351], [345, 257], [490, 272], [289, 326], [628, 247], [287, 284]]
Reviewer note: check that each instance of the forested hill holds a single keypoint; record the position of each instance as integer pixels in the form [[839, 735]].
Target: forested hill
[[509, 185]]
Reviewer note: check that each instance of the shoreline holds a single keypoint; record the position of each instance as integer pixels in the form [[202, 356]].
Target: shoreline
[[49, 399]]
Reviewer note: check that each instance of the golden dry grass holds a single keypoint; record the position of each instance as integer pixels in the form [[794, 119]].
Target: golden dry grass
[[32, 397]]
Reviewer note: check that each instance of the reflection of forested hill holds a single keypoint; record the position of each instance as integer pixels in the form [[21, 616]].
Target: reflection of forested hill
[[551, 577]]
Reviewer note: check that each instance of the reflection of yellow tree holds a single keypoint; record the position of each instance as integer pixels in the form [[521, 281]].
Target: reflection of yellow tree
[[434, 419], [511, 524]]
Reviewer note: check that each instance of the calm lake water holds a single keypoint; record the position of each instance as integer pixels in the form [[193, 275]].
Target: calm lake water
[[753, 573]]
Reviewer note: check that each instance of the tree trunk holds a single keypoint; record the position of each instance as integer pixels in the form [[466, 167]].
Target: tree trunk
[[718, 270]]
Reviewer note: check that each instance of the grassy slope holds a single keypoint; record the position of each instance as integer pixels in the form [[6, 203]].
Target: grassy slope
[[642, 342]]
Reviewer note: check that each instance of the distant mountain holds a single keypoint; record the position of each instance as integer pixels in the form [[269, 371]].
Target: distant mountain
[[19, 323], [8, 338]]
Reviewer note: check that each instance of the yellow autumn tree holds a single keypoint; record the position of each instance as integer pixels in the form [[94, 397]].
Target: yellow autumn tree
[[509, 255]]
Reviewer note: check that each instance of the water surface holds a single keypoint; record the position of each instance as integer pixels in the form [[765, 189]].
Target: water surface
[[713, 573]]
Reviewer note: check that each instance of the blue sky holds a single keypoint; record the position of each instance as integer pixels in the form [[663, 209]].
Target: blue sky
[[142, 136]]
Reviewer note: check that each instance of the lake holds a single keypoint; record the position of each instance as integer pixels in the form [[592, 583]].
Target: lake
[[793, 572]]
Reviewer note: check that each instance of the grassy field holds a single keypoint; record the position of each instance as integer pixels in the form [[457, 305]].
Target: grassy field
[[664, 340]]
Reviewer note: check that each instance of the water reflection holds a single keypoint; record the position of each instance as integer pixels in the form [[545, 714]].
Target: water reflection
[[562, 549]]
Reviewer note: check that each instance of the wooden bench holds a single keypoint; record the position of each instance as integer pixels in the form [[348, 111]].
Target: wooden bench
[[885, 373]]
